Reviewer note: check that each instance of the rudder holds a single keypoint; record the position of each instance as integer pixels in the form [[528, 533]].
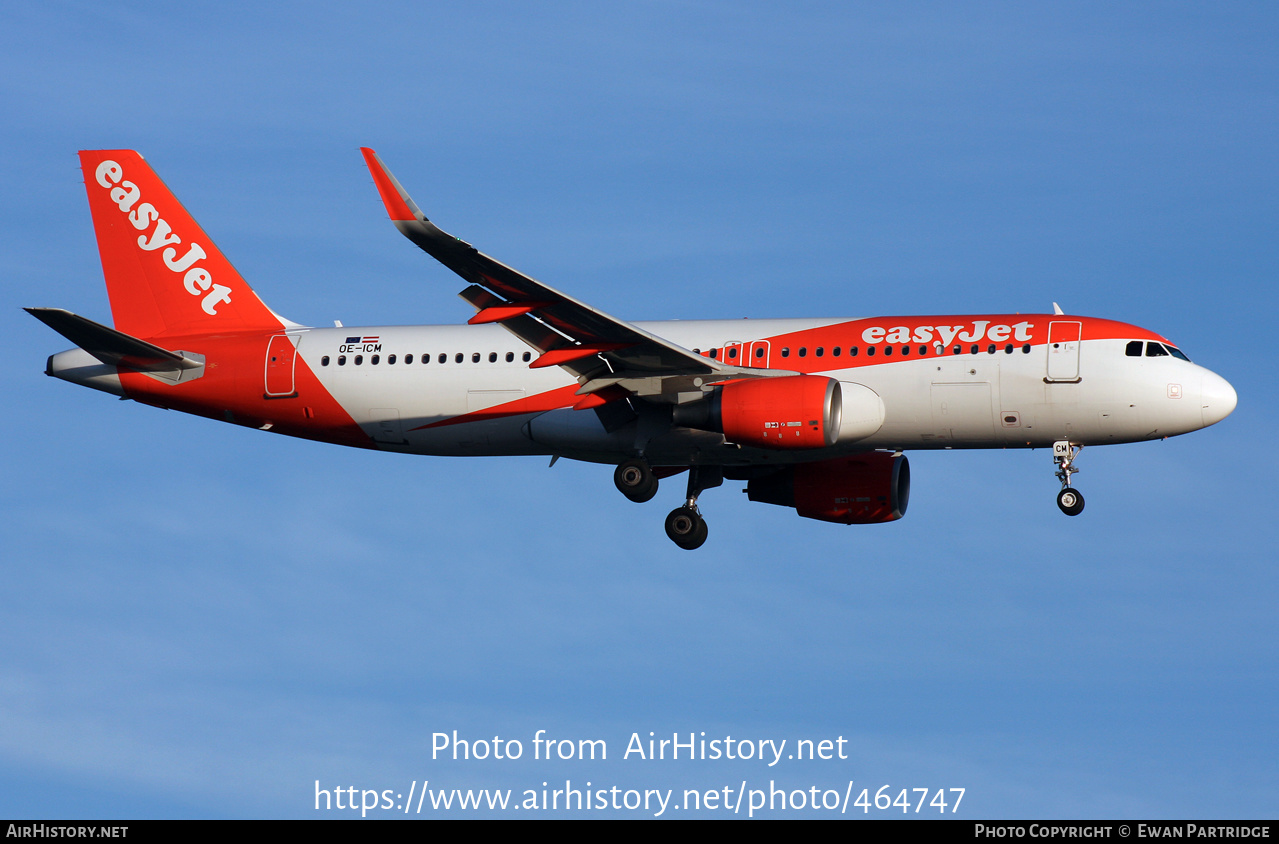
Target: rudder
[[164, 275]]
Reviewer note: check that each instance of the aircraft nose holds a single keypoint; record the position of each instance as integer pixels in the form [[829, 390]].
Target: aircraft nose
[[1217, 398]]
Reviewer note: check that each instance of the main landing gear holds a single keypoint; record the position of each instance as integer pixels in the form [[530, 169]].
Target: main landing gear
[[635, 480], [1070, 500], [685, 525]]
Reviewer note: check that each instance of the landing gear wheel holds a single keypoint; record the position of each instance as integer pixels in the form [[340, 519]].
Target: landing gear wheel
[[1071, 501], [636, 481], [686, 528]]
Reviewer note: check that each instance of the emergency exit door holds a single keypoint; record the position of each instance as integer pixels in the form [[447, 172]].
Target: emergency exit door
[[1064, 339], [280, 360]]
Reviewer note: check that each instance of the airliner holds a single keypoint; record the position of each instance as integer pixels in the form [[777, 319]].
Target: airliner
[[813, 414]]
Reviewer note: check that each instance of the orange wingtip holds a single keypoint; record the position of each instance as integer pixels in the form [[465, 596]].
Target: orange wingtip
[[392, 198]]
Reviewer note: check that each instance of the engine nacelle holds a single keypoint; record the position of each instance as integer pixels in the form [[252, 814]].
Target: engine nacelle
[[800, 411], [792, 412], [797, 411], [860, 490]]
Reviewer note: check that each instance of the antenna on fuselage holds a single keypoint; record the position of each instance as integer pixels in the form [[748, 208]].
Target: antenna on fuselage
[[1057, 310]]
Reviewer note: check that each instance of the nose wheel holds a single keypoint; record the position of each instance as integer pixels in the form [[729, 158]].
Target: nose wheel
[[1070, 500]]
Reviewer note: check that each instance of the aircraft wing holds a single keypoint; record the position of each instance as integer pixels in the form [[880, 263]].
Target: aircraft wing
[[602, 351]]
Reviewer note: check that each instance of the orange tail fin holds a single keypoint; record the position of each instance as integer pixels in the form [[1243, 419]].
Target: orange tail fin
[[164, 275]]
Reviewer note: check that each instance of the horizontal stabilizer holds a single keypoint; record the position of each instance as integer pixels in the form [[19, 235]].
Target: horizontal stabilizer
[[114, 348]]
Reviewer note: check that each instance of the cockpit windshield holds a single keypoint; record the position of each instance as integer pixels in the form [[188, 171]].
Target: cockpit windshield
[[1154, 350]]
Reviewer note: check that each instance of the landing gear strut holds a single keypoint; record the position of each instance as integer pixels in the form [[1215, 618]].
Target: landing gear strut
[[1071, 501], [685, 525], [635, 480]]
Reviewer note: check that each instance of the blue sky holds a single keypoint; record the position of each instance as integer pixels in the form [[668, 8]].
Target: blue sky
[[202, 620]]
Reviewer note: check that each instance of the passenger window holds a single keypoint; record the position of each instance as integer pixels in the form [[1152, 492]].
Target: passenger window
[[923, 350], [510, 356], [443, 358], [732, 354], [1025, 350], [976, 349], [785, 352], [759, 352], [888, 350], [958, 350], [870, 351], [821, 350], [390, 359], [852, 351], [373, 360], [905, 350], [409, 358], [990, 350], [359, 359], [492, 357], [341, 360], [1133, 349], [1008, 350], [475, 357], [714, 354], [803, 351], [1154, 350], [527, 355], [459, 357], [324, 361]]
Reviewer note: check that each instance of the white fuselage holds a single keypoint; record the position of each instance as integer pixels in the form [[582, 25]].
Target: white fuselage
[[1003, 397]]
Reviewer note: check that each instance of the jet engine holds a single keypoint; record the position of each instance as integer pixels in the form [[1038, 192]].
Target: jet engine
[[792, 412], [860, 490]]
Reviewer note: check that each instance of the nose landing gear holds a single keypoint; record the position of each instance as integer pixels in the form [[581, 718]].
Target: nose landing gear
[[685, 525], [1071, 501]]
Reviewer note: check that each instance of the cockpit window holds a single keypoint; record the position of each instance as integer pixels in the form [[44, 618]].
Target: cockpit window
[[1133, 349], [1177, 353], [1156, 350]]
